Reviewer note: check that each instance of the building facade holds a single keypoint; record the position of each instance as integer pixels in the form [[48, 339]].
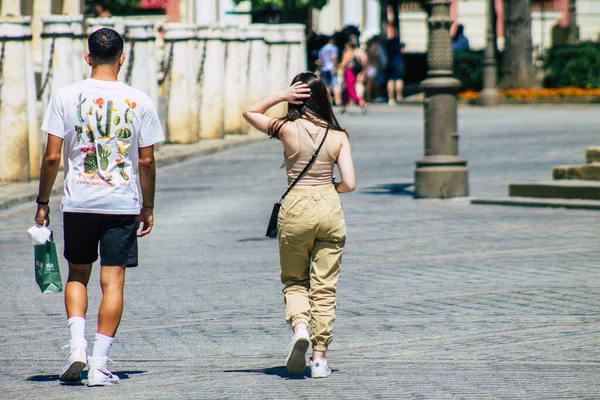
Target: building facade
[[546, 14]]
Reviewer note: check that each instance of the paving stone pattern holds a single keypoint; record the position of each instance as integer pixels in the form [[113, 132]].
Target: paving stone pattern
[[438, 299]]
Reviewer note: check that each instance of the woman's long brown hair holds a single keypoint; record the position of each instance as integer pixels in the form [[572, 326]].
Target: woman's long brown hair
[[317, 108]]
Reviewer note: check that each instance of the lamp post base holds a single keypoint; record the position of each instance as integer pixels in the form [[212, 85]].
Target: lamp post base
[[441, 177], [489, 97]]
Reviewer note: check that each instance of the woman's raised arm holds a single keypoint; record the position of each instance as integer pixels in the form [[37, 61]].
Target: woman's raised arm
[[255, 114]]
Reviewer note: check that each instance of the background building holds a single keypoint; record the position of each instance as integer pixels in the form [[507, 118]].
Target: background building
[[546, 14]]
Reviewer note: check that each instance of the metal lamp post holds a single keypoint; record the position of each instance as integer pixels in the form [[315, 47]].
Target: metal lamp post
[[440, 173], [489, 95]]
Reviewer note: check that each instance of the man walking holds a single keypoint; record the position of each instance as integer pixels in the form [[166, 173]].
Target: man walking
[[109, 130], [328, 60]]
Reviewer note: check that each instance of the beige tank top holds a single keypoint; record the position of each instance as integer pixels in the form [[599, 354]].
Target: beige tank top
[[322, 170]]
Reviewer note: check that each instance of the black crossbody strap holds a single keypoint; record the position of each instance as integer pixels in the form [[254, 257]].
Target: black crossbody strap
[[307, 167]]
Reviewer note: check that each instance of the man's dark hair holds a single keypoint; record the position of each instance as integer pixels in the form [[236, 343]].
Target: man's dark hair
[[105, 46]]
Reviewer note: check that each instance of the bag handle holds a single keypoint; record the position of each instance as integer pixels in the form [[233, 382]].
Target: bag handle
[[307, 167]]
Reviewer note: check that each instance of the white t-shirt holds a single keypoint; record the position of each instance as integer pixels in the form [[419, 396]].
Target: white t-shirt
[[326, 55], [103, 125]]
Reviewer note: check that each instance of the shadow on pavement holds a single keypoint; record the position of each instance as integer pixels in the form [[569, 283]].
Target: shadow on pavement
[[281, 372], [254, 239], [397, 189], [54, 378]]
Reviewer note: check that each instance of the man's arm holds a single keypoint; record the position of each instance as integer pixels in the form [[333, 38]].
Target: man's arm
[[147, 169], [48, 173]]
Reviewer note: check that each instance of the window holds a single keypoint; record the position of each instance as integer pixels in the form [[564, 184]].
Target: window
[[411, 6], [546, 5]]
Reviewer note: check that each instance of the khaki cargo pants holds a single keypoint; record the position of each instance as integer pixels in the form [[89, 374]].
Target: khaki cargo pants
[[312, 234]]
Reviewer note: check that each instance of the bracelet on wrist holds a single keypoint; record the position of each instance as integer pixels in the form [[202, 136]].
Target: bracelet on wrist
[[149, 207], [42, 203]]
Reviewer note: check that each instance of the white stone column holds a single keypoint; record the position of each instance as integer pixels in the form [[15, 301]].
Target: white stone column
[[296, 50], [10, 7], [35, 134], [258, 79], [93, 24], [232, 110], [139, 69], [244, 74], [58, 66], [79, 64], [71, 7], [277, 67], [213, 84], [41, 8], [182, 108], [14, 115]]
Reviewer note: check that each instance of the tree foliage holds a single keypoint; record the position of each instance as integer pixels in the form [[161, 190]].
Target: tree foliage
[[262, 4]]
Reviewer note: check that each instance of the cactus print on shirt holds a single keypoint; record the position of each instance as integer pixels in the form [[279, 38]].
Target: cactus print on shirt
[[103, 124]]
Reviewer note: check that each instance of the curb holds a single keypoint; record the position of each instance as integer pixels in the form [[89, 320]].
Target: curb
[[539, 203], [169, 153]]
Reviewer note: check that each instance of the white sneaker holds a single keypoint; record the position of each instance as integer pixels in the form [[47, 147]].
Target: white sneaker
[[99, 375], [75, 363], [319, 368], [296, 360]]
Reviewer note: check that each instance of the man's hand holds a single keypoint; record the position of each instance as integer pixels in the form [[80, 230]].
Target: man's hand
[[42, 215], [146, 219]]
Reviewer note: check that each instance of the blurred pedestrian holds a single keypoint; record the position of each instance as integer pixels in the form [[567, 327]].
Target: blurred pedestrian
[[311, 225], [395, 68], [328, 60], [374, 76], [459, 40], [351, 66], [108, 159]]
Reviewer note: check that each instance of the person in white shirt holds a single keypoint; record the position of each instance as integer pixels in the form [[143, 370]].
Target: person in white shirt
[[109, 130], [328, 60]]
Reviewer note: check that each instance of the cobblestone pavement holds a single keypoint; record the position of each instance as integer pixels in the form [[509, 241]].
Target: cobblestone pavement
[[438, 299]]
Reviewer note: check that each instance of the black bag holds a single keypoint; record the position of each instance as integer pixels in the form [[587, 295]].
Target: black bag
[[356, 66], [272, 228]]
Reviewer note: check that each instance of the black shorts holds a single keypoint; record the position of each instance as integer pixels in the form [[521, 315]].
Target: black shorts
[[116, 234], [327, 77]]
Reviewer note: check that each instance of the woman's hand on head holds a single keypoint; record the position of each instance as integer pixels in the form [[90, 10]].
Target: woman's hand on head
[[296, 93]]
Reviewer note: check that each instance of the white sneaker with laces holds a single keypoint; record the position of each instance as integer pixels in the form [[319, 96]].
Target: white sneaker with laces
[[99, 375], [319, 368], [76, 362], [296, 360]]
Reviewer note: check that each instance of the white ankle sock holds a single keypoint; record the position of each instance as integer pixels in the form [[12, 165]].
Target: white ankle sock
[[76, 328], [102, 345], [300, 327]]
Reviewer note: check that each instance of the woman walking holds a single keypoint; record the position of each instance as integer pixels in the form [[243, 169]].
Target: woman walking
[[352, 66], [311, 223]]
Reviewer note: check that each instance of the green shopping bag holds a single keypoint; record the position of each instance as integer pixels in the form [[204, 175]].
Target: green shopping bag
[[47, 272]]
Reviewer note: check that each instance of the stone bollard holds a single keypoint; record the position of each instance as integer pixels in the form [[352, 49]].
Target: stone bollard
[[58, 66], [139, 69], [15, 110], [182, 106], [296, 50], [35, 134], [212, 83], [233, 59], [244, 77], [257, 78], [79, 64], [277, 65]]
